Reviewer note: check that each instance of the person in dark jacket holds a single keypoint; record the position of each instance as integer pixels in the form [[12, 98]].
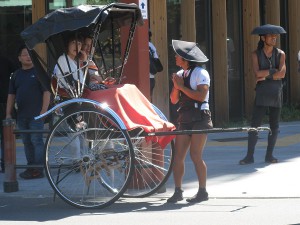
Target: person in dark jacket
[[269, 69]]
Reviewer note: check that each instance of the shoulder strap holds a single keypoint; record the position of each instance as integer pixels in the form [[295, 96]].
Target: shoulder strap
[[191, 70]]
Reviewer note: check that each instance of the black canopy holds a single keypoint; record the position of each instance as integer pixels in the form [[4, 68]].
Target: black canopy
[[70, 19]]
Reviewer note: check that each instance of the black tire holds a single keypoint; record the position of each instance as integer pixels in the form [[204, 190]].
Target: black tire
[[89, 159]]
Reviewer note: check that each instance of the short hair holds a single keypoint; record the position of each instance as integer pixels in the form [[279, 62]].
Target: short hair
[[71, 36], [20, 49]]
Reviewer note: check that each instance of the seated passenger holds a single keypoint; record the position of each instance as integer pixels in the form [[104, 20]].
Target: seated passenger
[[69, 70], [94, 76], [70, 67]]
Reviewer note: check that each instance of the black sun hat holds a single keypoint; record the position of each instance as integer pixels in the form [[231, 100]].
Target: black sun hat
[[268, 29], [189, 51]]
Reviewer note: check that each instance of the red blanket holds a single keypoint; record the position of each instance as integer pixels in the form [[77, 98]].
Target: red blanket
[[133, 108]]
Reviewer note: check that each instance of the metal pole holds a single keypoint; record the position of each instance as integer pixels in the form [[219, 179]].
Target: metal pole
[[214, 130], [10, 183]]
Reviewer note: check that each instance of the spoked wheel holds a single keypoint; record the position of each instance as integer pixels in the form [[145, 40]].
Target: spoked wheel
[[89, 159], [152, 165]]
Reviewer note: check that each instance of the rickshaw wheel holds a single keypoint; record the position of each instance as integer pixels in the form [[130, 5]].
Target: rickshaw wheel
[[152, 165], [89, 159]]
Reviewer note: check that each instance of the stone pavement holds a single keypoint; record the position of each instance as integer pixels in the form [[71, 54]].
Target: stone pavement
[[258, 193]]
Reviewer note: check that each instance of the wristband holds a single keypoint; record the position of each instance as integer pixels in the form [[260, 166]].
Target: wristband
[[269, 77], [271, 72]]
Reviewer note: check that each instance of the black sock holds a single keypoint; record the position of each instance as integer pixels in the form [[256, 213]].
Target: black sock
[[201, 190], [178, 189]]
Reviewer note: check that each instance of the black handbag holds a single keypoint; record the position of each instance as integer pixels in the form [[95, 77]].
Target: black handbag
[[155, 64]]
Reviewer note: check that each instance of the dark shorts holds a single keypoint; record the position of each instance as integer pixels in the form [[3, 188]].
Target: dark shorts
[[203, 123]]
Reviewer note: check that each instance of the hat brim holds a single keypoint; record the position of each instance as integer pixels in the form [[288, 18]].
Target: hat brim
[[268, 29], [189, 51]]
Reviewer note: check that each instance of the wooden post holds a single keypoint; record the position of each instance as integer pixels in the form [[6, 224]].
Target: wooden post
[[10, 183], [158, 25], [221, 90], [38, 11], [294, 48], [188, 20], [273, 14], [250, 20]]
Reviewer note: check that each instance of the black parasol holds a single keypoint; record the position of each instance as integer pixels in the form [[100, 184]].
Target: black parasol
[[268, 29], [70, 19]]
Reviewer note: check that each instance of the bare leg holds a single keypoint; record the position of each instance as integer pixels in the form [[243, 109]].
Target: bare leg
[[196, 150], [182, 143]]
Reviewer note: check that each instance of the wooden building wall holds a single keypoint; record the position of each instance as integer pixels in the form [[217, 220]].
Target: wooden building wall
[[250, 20], [294, 47], [158, 25], [38, 11], [188, 20], [273, 15], [219, 60]]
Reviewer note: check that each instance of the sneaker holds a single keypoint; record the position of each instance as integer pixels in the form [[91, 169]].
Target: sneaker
[[271, 159], [177, 196], [246, 160], [31, 174], [199, 197]]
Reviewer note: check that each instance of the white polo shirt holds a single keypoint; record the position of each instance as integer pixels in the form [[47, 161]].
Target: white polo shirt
[[199, 76]]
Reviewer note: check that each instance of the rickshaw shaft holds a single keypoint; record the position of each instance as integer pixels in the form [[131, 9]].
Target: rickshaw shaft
[[214, 130]]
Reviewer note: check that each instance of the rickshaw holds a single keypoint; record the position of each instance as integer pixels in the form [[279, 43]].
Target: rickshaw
[[113, 160], [100, 147]]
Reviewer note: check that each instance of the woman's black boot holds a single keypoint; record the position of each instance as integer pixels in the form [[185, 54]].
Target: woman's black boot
[[201, 196], [252, 140], [271, 144], [177, 196]]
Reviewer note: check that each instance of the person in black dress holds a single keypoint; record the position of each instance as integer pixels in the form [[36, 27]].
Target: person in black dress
[[269, 69]]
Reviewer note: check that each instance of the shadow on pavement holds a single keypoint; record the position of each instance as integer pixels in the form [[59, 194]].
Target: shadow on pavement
[[37, 209]]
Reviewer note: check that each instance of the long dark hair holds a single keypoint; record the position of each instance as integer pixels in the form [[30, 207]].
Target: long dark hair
[[194, 64], [260, 43]]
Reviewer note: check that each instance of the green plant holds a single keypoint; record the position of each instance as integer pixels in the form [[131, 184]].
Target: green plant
[[237, 123], [290, 113]]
